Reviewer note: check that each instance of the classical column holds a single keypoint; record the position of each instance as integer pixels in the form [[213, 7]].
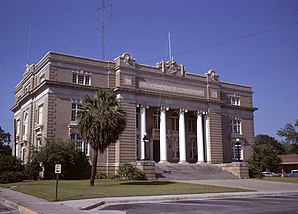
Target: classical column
[[143, 132], [200, 138], [163, 136], [182, 145], [207, 136]]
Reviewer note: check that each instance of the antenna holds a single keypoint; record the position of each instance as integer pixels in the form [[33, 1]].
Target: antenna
[[170, 48], [103, 26], [103, 29], [29, 41]]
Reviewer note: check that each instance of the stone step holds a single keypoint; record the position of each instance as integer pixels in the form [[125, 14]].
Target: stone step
[[173, 171]]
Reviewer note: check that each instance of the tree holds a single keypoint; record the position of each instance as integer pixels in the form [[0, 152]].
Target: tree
[[290, 134], [264, 157], [262, 139], [101, 121], [4, 142], [11, 169]]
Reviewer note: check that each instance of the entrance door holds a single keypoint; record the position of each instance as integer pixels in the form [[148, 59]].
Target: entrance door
[[156, 151]]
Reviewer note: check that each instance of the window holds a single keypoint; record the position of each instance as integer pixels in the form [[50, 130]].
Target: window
[[79, 143], [17, 150], [40, 114], [25, 123], [175, 122], [75, 107], [235, 101], [193, 148], [156, 119], [236, 125], [237, 151], [175, 148], [191, 123], [38, 141], [81, 79], [137, 118], [18, 127]]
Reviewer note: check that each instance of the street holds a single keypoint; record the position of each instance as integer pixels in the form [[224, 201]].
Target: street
[[269, 204], [5, 209]]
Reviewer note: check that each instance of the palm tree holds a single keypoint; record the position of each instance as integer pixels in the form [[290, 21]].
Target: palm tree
[[101, 121]]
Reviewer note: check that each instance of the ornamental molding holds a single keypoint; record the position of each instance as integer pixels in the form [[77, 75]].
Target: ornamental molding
[[171, 67]]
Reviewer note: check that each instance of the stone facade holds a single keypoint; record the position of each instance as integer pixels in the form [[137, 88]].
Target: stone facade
[[173, 116]]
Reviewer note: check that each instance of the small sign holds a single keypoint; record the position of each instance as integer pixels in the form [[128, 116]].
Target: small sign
[[57, 168]]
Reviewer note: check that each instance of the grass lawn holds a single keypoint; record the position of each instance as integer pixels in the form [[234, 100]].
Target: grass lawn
[[282, 179], [79, 189]]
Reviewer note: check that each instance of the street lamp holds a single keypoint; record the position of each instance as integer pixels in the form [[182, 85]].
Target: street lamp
[[238, 146]]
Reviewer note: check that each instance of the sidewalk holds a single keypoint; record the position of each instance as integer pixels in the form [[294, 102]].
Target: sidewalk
[[33, 205]]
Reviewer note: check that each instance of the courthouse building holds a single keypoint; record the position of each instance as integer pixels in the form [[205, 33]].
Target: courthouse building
[[173, 116]]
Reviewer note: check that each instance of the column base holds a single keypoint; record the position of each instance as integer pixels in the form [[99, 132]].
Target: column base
[[200, 162], [163, 161], [183, 162]]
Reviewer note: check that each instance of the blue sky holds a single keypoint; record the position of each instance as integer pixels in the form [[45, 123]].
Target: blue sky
[[249, 42]]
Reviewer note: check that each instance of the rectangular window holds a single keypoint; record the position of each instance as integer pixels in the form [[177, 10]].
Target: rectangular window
[[156, 122], [236, 126], [87, 80], [193, 148], [175, 148], [81, 79], [39, 141], [237, 151], [79, 143], [191, 125], [40, 114], [235, 101], [17, 150], [75, 107], [74, 78], [18, 127], [175, 123]]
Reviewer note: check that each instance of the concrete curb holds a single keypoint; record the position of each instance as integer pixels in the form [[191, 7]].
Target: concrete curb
[[164, 198], [21, 208]]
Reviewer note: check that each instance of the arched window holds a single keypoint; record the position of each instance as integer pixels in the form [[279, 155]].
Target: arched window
[[175, 121], [156, 119]]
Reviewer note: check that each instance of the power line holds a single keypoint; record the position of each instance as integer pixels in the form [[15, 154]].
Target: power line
[[226, 41], [77, 33]]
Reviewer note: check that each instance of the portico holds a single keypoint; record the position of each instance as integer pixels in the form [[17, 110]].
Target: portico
[[175, 137]]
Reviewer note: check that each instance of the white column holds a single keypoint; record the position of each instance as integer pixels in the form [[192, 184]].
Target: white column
[[143, 131], [163, 136], [200, 138], [182, 145], [207, 135]]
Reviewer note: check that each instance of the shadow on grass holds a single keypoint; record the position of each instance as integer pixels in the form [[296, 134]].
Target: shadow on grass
[[147, 183]]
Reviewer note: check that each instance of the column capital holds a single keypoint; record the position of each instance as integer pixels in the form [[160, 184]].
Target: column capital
[[140, 106], [183, 110], [202, 112], [164, 108]]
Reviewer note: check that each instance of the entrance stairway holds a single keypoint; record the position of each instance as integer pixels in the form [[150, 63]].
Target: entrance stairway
[[175, 171]]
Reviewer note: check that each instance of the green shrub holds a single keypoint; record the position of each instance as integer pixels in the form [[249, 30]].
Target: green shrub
[[100, 175], [73, 162], [32, 170], [9, 163], [130, 172], [11, 177]]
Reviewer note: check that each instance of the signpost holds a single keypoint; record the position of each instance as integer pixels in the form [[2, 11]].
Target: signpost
[[57, 172]]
